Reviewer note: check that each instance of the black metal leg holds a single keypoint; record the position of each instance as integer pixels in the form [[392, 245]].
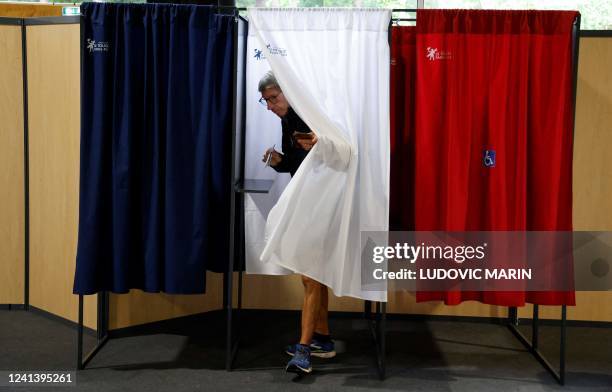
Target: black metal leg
[[233, 324], [229, 275], [102, 332], [229, 325], [562, 348], [377, 325], [240, 290], [367, 310], [535, 328], [231, 335], [238, 309], [513, 315], [107, 313], [80, 336], [103, 315], [532, 346], [26, 166], [225, 290], [382, 338]]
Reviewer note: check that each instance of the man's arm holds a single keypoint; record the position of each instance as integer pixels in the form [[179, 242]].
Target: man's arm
[[305, 140], [277, 160], [283, 166]]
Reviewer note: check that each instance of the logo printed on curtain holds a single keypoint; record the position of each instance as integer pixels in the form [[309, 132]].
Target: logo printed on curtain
[[488, 158], [276, 51], [100, 46], [259, 54], [434, 54]]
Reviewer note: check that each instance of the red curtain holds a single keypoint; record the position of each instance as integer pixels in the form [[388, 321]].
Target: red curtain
[[494, 85], [403, 68]]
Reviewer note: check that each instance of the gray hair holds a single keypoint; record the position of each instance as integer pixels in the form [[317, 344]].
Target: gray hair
[[267, 81]]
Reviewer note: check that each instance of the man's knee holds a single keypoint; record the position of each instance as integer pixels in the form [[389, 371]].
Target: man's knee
[[310, 284]]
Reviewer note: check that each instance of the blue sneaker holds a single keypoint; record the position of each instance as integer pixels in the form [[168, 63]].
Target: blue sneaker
[[300, 363], [318, 349], [322, 349]]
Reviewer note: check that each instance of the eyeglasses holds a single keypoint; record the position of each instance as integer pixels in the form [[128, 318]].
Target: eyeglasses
[[273, 100]]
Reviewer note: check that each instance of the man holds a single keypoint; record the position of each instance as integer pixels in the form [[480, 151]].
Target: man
[[298, 139]]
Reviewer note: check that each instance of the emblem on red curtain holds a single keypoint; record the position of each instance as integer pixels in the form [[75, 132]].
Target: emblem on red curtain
[[434, 54]]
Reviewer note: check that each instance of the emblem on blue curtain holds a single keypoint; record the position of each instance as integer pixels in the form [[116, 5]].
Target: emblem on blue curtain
[[97, 46], [488, 158]]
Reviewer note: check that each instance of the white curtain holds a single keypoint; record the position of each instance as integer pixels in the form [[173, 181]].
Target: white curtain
[[333, 67], [263, 130]]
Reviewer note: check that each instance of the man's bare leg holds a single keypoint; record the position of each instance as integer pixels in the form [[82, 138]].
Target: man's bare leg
[[322, 326], [310, 308]]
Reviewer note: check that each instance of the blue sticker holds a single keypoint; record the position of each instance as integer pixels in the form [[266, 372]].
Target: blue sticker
[[488, 159]]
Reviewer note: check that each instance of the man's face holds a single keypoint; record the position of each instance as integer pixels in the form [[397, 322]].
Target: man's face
[[275, 101]]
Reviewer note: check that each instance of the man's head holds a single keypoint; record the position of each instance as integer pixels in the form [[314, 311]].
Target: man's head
[[272, 95]]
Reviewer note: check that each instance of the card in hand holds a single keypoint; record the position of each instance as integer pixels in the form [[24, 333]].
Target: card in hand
[[303, 135]]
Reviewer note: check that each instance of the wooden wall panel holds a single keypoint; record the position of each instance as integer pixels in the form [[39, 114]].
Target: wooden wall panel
[[590, 306], [138, 307], [12, 214], [592, 165], [285, 292], [54, 124], [20, 10]]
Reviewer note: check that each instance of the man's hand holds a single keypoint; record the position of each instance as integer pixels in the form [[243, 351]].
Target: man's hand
[[305, 140], [274, 156]]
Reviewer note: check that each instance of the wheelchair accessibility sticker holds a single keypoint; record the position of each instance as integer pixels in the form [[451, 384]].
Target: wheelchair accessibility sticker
[[488, 158]]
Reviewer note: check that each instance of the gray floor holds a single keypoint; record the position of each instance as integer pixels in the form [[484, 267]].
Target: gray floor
[[188, 355]]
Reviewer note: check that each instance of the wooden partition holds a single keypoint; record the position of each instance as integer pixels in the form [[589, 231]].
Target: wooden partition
[[139, 308], [21, 10], [54, 115], [286, 292], [12, 211], [592, 209], [592, 164], [54, 123]]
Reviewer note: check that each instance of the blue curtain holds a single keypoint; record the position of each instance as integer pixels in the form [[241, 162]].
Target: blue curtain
[[156, 109]]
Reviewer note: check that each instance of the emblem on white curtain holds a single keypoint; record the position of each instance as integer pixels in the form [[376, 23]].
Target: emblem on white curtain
[[276, 51], [259, 54]]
